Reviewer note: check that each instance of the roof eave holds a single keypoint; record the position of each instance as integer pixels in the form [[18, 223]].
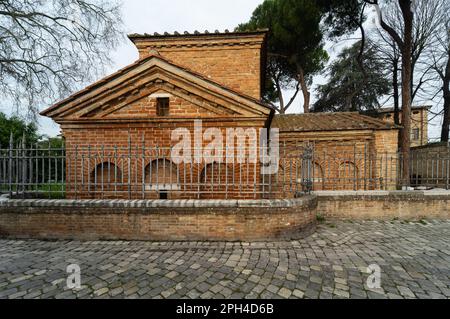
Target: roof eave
[[340, 130], [49, 111], [185, 34]]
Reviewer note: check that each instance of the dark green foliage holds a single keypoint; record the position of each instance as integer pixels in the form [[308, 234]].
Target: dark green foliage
[[18, 128], [267, 16], [348, 89], [340, 17], [296, 39], [52, 142]]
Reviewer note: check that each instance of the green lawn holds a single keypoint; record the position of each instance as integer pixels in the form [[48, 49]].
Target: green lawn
[[49, 190]]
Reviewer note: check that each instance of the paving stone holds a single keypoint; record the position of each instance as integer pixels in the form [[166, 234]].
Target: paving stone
[[298, 293], [101, 291], [341, 293], [405, 291], [284, 292], [168, 293], [312, 294], [325, 295], [116, 291], [330, 264], [172, 274], [254, 278], [17, 294]]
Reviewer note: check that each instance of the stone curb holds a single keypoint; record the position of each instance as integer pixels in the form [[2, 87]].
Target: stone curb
[[400, 195], [186, 203]]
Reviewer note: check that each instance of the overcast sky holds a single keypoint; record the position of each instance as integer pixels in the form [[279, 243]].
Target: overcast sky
[[148, 16]]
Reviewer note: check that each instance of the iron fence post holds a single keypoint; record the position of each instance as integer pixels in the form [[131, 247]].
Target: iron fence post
[[307, 157], [10, 161], [76, 171], [24, 163], [129, 166]]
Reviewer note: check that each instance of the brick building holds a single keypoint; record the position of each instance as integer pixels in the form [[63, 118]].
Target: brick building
[[118, 130], [178, 79], [351, 151], [419, 122]]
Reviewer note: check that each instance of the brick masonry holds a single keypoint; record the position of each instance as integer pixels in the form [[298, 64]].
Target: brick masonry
[[384, 205], [234, 60], [352, 154], [215, 78], [81, 162], [419, 122], [228, 220]]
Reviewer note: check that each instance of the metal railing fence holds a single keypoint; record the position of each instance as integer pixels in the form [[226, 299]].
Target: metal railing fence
[[139, 171]]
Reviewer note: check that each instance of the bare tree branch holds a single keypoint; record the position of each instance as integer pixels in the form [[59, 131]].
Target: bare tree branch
[[49, 49]]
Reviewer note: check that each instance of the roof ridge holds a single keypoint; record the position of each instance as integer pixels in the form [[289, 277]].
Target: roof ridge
[[196, 33], [318, 113], [323, 122], [375, 120], [391, 108]]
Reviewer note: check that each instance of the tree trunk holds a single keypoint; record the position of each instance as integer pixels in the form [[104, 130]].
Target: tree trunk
[[446, 91], [305, 91], [280, 95], [396, 94], [405, 46], [405, 132], [396, 97]]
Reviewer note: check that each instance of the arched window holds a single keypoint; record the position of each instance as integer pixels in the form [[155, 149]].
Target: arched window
[[348, 177], [105, 176], [318, 180], [162, 175]]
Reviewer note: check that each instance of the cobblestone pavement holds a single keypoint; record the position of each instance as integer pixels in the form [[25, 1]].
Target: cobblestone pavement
[[414, 258]]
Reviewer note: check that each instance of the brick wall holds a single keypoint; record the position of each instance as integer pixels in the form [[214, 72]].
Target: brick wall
[[210, 220], [110, 149], [158, 220], [232, 60], [384, 205], [419, 120], [349, 160]]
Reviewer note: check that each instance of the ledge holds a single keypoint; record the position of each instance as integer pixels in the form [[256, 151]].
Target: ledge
[[384, 195], [182, 203]]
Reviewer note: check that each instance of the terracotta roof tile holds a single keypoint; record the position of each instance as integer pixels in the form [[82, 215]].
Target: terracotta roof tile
[[414, 107], [195, 33], [328, 122]]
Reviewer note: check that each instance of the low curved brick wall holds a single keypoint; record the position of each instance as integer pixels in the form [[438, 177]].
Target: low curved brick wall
[[384, 205], [158, 220]]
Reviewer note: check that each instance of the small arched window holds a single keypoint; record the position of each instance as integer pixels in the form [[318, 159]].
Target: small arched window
[[105, 175], [162, 175], [348, 177]]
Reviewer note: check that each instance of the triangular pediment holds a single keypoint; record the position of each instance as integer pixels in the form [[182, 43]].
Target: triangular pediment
[[128, 92]]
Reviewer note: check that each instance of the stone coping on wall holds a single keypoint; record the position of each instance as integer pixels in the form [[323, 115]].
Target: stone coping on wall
[[182, 203], [393, 195]]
